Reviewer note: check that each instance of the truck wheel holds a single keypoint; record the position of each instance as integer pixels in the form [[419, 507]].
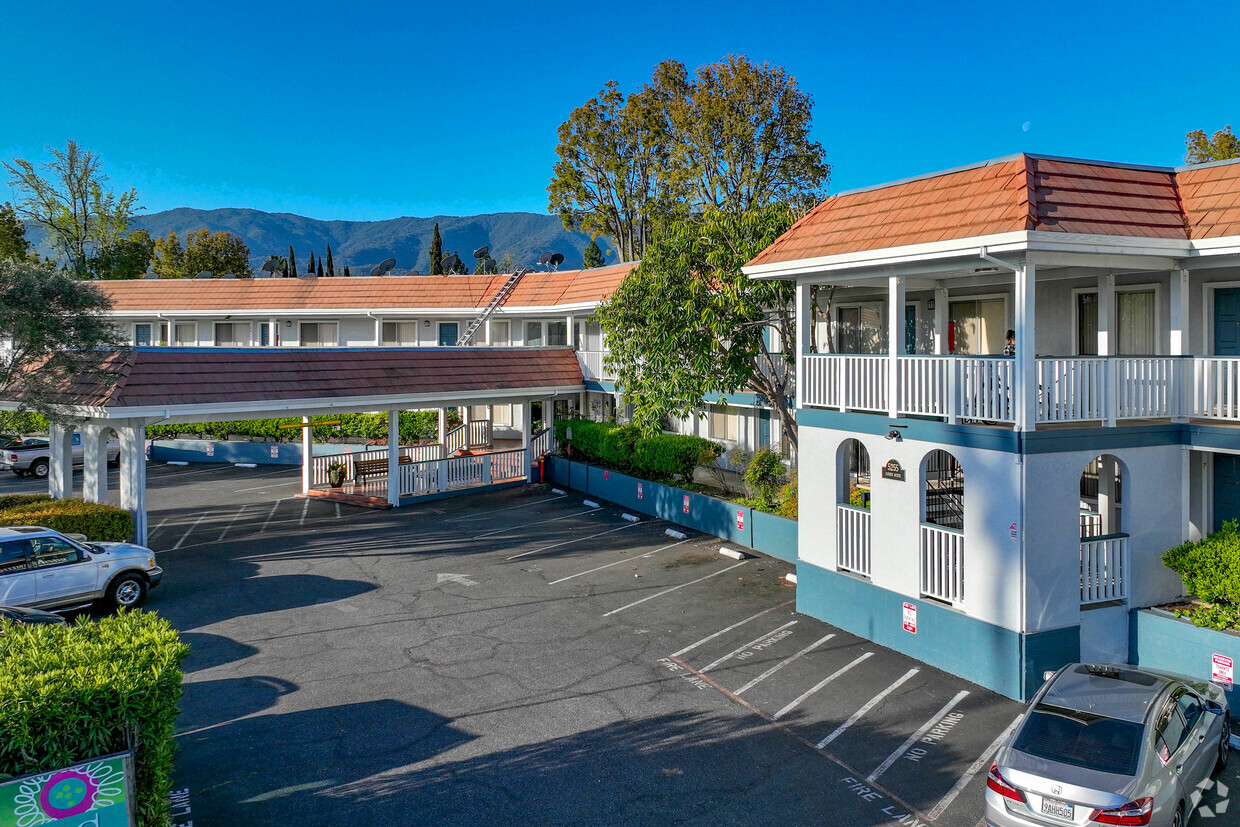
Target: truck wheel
[[39, 468], [127, 591]]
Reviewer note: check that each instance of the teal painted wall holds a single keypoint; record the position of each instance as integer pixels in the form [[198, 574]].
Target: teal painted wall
[[1159, 640], [195, 450], [775, 535]]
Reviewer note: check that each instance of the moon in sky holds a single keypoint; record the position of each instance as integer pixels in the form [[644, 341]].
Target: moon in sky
[[1025, 126]]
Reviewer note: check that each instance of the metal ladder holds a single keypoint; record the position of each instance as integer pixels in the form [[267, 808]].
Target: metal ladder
[[494, 303]]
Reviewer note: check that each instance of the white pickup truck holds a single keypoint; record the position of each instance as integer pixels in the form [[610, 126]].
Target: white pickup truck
[[32, 456]]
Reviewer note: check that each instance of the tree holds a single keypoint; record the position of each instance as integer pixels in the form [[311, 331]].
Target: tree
[[593, 256], [331, 267], [70, 203], [218, 253], [56, 325], [310, 266], [687, 322], [436, 268], [169, 258], [346, 272], [126, 257], [508, 263], [606, 180], [320, 272], [13, 243], [1219, 147], [292, 262]]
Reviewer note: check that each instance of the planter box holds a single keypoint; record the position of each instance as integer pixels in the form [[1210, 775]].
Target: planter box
[[1160, 640], [195, 450]]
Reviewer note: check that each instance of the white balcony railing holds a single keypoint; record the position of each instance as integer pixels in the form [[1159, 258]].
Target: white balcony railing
[[852, 534], [592, 367], [942, 563], [1104, 569], [408, 453], [1069, 389], [433, 476]]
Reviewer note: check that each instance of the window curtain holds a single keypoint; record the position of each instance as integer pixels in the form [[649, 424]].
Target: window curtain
[[1136, 323]]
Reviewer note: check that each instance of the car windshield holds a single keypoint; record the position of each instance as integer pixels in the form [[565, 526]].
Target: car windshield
[[1081, 739]]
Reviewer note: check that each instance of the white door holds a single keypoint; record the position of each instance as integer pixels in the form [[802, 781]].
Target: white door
[[16, 581], [62, 570]]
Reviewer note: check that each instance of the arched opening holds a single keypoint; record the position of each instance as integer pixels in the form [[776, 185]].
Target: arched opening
[[852, 480], [852, 509], [942, 485], [1102, 487]]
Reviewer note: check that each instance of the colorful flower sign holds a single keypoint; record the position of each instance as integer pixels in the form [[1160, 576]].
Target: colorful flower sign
[[91, 794]]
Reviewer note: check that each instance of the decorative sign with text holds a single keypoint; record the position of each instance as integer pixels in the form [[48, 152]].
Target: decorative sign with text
[[1221, 669], [893, 471], [97, 793], [740, 519], [910, 618], [686, 503], [275, 451]]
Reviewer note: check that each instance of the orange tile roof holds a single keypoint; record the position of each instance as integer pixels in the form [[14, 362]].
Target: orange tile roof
[[536, 289], [1026, 192]]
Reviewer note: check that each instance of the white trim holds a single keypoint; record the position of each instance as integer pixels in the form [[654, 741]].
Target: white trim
[[1207, 311]]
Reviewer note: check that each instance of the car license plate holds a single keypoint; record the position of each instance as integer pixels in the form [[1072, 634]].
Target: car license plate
[[1054, 807]]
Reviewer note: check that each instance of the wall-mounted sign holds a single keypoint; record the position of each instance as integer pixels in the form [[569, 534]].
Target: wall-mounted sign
[[1014, 532], [210, 449], [686, 503], [275, 451], [639, 491], [893, 471], [1221, 669], [98, 792], [568, 433], [606, 474], [910, 618], [740, 519]]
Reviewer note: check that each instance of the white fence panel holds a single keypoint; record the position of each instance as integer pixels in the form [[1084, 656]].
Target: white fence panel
[[508, 465], [420, 478], [942, 563], [1147, 387], [1215, 389], [592, 366], [542, 443], [1104, 569], [853, 539], [924, 384], [985, 387], [1071, 389]]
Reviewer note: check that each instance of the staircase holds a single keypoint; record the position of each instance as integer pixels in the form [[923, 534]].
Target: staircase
[[494, 303]]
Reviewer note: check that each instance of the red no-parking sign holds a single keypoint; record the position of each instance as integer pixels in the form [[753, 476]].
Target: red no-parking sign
[[639, 491], [910, 618], [740, 520], [686, 503]]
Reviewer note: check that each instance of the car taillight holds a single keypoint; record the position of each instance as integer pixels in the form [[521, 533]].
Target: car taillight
[[1000, 785], [12, 457], [1134, 812]]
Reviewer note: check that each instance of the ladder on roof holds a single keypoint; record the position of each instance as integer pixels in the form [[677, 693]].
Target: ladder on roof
[[491, 307]]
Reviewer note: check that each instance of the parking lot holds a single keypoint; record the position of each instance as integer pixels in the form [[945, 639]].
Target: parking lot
[[518, 657]]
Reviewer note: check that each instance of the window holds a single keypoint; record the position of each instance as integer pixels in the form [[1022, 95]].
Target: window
[[1171, 732], [1081, 739], [400, 334], [979, 326], [186, 334], [264, 335], [1136, 328], [13, 555], [500, 335], [142, 335], [723, 424], [52, 551], [533, 334], [859, 330], [1190, 707], [501, 414], [1087, 324], [448, 334], [232, 334], [477, 412], [319, 334], [557, 334]]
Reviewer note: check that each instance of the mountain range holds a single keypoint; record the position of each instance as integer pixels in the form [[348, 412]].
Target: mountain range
[[361, 245]]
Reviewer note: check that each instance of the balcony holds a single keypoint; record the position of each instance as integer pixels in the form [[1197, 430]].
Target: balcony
[[592, 368], [1069, 389]]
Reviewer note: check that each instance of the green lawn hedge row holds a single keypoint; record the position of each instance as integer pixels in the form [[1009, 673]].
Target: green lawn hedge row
[[96, 520], [72, 693], [1211, 571], [658, 457], [415, 426]]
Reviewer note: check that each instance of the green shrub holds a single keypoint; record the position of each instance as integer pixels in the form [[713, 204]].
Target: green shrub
[[619, 445], [667, 456], [13, 500], [415, 426], [587, 441], [72, 693], [763, 474], [1210, 566], [857, 498], [96, 520], [788, 496]]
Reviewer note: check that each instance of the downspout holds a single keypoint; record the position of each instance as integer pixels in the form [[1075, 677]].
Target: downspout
[[378, 328]]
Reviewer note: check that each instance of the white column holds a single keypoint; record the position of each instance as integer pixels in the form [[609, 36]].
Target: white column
[[172, 332], [94, 462], [527, 421], [133, 474], [60, 473], [1179, 312], [895, 341], [443, 427], [1107, 495], [804, 322], [393, 458], [942, 319], [378, 331], [1106, 345], [1025, 373], [572, 339], [486, 332], [307, 453]]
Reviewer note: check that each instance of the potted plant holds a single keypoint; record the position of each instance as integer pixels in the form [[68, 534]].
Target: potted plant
[[335, 473]]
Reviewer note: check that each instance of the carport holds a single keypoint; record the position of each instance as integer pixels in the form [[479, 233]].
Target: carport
[[149, 386]]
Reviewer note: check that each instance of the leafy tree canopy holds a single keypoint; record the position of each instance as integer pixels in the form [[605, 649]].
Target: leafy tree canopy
[[592, 256], [687, 322], [126, 257], [13, 243], [436, 253], [57, 326], [204, 251], [68, 200], [1220, 146]]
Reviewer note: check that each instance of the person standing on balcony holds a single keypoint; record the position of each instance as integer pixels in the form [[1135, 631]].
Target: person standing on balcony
[[1009, 349]]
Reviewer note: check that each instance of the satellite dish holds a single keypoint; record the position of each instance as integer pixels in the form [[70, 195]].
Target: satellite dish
[[489, 265], [151, 275], [544, 258], [229, 276], [205, 274], [482, 252], [384, 267], [556, 260], [377, 270], [271, 265]]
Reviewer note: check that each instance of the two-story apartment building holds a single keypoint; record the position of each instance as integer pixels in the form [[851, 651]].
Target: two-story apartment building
[[999, 514]]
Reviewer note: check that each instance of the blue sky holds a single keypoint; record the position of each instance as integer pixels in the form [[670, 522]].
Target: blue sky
[[381, 109]]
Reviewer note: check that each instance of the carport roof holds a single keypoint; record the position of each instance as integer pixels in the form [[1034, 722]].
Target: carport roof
[[180, 381]]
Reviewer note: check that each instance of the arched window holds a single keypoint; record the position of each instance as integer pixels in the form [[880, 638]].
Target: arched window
[[942, 481], [852, 474], [1102, 485]]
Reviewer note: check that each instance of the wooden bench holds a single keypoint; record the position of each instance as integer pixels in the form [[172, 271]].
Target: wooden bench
[[363, 468]]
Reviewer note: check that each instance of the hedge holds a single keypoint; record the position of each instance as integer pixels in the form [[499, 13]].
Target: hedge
[[72, 693], [587, 441], [658, 457], [415, 426], [1211, 571], [96, 520]]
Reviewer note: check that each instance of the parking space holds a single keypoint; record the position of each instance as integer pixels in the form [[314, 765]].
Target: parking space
[[521, 656]]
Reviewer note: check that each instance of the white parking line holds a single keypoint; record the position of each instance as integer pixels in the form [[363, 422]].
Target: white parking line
[[737, 651], [973, 770], [870, 704], [618, 562], [189, 530], [541, 522], [709, 638], [157, 528], [917, 736], [567, 542], [270, 514], [233, 520], [305, 507], [337, 511], [509, 508], [784, 663], [781, 713], [672, 589]]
